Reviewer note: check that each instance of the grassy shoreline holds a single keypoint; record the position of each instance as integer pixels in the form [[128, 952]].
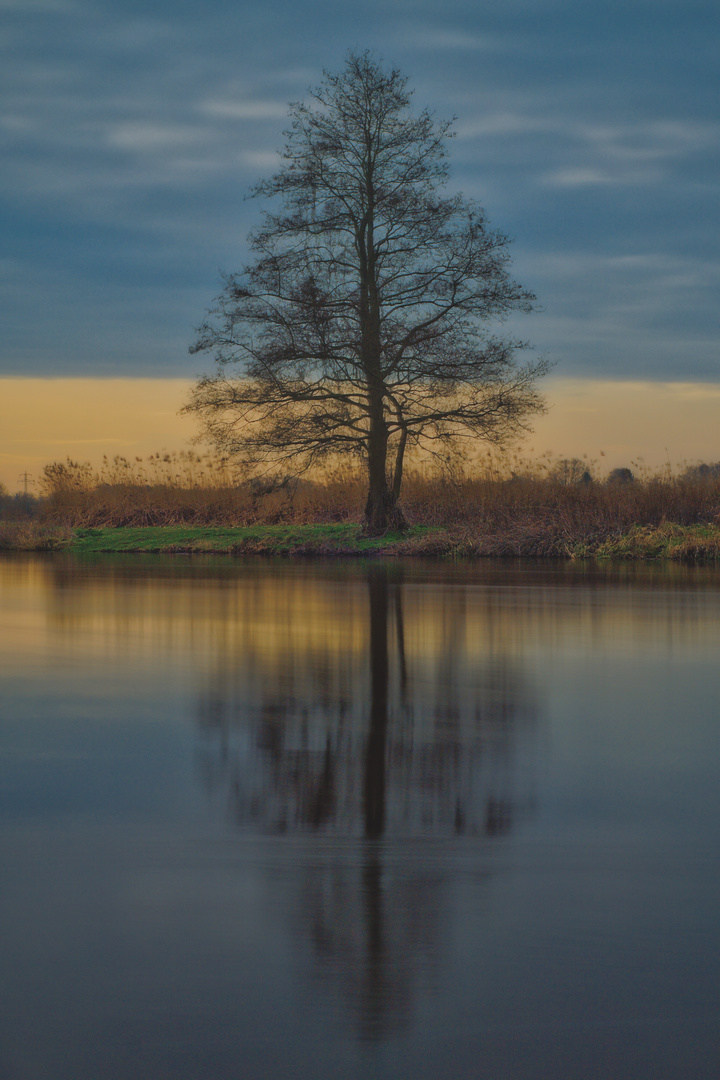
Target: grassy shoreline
[[686, 543]]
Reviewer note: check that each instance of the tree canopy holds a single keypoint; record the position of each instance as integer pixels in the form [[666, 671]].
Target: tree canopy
[[364, 324]]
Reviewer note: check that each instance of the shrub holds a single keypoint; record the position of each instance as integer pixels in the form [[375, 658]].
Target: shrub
[[620, 476]]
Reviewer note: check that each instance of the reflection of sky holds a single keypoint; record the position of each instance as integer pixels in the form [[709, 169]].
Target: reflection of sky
[[130, 135], [145, 937], [170, 608]]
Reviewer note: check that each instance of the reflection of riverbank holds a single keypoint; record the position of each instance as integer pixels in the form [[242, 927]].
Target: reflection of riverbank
[[264, 610]]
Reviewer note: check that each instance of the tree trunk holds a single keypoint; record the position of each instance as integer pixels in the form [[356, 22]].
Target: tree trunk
[[381, 509], [382, 513], [399, 459]]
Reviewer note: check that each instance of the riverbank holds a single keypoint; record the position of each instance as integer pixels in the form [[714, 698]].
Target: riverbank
[[687, 543]]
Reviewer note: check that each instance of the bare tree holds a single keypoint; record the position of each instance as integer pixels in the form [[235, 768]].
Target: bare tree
[[362, 326], [571, 471]]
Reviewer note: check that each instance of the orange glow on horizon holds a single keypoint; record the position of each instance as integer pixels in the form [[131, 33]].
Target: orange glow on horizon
[[44, 420], [611, 423]]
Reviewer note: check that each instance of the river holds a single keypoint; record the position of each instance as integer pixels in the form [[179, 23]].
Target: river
[[347, 819]]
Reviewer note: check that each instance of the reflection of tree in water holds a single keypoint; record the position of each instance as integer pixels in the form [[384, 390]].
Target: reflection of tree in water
[[432, 750], [375, 931]]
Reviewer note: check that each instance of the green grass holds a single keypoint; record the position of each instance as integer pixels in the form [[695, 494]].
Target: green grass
[[549, 539], [345, 539], [685, 543]]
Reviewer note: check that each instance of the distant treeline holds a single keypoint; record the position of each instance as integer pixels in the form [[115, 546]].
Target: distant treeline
[[20, 507]]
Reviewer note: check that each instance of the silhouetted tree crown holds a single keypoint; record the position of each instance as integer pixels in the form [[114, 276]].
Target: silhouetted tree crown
[[362, 327]]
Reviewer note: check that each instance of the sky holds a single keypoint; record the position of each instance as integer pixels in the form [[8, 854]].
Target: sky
[[131, 132]]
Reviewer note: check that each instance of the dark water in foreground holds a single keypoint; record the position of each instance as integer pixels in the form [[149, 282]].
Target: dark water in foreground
[[339, 821]]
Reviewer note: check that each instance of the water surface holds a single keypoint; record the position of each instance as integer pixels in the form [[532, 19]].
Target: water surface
[[281, 819]]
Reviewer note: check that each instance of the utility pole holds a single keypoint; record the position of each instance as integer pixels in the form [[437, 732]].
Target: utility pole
[[25, 479]]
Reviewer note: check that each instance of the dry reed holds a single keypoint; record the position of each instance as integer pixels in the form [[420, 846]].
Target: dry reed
[[504, 506]]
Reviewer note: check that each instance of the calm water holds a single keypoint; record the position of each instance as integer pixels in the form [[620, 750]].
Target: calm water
[[300, 820]]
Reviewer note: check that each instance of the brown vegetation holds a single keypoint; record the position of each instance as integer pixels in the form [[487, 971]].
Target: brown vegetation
[[33, 536], [506, 507]]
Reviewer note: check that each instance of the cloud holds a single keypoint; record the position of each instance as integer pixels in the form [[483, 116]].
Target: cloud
[[635, 153], [45, 7], [651, 140], [144, 136], [131, 107], [560, 144], [94, 325], [651, 282], [260, 160], [438, 39], [622, 315], [501, 124], [577, 177], [245, 110], [643, 152], [129, 139]]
